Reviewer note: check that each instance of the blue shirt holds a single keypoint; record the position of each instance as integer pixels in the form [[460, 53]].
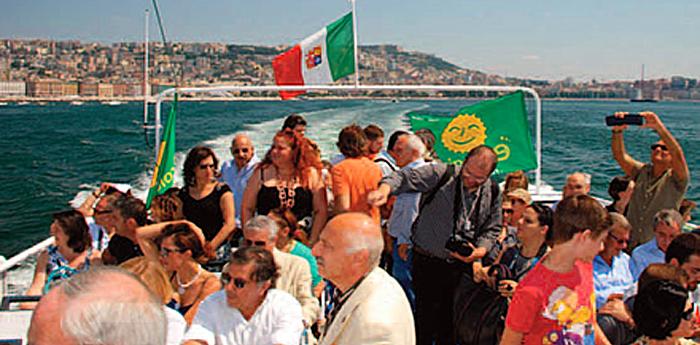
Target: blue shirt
[[644, 255], [608, 280], [405, 210], [237, 180]]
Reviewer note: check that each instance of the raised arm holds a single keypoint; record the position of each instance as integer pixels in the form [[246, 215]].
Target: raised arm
[[628, 164], [678, 162]]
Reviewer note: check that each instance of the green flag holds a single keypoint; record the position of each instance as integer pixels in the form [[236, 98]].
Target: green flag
[[164, 172], [500, 123]]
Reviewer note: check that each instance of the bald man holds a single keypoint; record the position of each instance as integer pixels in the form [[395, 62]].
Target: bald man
[[89, 309], [371, 307], [236, 172]]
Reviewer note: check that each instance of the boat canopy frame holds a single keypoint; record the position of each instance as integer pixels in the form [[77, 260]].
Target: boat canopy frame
[[164, 95]]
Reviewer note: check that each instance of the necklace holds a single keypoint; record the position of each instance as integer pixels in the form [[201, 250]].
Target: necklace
[[182, 287], [286, 193]]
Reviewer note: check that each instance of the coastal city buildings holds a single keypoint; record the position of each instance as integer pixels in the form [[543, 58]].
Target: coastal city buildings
[[74, 69]]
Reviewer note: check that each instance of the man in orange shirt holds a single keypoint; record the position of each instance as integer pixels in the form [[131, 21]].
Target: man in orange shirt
[[356, 175]]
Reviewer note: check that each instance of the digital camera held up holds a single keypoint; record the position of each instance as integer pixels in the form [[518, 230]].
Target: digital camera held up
[[459, 245]]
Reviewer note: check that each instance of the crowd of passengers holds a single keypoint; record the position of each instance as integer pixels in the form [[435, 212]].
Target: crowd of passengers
[[375, 246]]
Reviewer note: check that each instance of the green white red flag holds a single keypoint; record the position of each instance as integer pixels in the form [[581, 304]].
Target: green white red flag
[[319, 59]]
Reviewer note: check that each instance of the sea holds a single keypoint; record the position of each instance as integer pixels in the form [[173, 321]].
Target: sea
[[52, 155]]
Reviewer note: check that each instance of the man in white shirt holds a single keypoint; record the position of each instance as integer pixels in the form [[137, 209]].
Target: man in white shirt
[[249, 310], [236, 172], [294, 272]]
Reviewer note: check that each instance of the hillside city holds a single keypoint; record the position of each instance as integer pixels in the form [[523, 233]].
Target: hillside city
[[49, 69]]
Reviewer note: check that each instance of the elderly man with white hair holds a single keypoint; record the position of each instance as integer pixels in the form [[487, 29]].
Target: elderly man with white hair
[[237, 171], [295, 272], [409, 151], [90, 309], [370, 307]]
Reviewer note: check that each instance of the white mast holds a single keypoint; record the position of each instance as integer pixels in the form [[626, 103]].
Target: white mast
[[146, 89]]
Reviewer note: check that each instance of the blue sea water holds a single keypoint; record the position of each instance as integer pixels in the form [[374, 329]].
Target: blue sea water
[[50, 153]]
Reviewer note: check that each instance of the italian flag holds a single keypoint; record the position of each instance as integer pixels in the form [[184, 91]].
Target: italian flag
[[321, 58]]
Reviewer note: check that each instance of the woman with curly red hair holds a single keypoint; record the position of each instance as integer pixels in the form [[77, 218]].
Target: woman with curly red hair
[[288, 178]]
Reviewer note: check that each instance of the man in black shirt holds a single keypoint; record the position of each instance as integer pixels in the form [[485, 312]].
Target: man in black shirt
[[128, 213]]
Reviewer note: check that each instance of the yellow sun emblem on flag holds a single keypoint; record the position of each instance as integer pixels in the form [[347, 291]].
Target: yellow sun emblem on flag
[[464, 133]]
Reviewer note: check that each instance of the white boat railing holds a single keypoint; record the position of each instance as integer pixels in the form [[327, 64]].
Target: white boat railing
[[6, 265], [363, 88]]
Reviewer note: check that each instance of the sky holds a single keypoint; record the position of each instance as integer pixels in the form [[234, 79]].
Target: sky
[[541, 39]]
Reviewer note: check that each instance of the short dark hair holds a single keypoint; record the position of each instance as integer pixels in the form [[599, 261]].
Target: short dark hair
[[658, 308], [196, 155], [184, 239], [618, 184], [579, 213], [132, 207], [659, 271], [292, 121], [393, 138], [264, 267], [373, 132], [483, 151], [682, 247], [74, 226], [352, 141]]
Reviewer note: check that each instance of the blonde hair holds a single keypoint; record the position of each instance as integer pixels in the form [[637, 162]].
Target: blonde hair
[[153, 275]]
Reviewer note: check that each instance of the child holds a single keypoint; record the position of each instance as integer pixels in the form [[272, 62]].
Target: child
[[555, 302]]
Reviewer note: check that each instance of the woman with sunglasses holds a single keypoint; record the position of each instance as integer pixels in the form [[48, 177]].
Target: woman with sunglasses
[[482, 317], [178, 247], [71, 253], [664, 314], [289, 178], [205, 201]]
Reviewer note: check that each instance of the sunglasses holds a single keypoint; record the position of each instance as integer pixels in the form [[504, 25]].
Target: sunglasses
[[99, 212], [659, 146], [250, 243], [205, 166], [237, 151], [239, 283], [166, 251], [508, 211], [688, 314], [619, 241]]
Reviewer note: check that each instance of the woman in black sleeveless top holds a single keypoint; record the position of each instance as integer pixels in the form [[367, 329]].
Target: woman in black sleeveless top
[[288, 178], [206, 202]]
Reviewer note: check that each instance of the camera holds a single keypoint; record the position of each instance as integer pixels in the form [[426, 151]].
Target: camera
[[629, 119], [459, 245], [500, 272]]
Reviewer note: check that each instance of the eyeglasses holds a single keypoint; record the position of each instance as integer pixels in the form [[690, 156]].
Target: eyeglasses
[[237, 151], [477, 179], [166, 251], [239, 283], [99, 212], [205, 166], [619, 241], [250, 243], [688, 314], [659, 146], [507, 211]]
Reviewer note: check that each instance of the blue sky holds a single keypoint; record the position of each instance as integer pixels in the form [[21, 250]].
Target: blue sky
[[602, 39]]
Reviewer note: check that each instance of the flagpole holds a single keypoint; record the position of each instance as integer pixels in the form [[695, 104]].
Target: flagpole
[[145, 69], [354, 38]]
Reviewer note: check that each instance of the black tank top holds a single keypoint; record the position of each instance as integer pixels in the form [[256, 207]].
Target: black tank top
[[206, 212], [268, 200]]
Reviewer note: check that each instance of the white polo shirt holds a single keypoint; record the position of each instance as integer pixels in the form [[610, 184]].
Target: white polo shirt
[[278, 320]]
